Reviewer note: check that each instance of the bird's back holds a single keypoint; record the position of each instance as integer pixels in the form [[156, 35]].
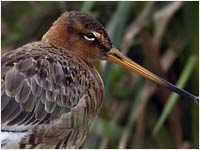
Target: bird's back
[[49, 98]]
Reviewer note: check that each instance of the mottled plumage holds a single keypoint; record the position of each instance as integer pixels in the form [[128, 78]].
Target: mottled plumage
[[53, 94]]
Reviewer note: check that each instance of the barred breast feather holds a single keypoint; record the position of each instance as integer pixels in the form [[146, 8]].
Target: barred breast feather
[[48, 96]]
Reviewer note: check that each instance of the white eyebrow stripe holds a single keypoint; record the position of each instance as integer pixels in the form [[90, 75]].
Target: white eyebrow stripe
[[96, 34]]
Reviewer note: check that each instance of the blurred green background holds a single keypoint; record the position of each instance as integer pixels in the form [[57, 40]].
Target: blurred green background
[[161, 36]]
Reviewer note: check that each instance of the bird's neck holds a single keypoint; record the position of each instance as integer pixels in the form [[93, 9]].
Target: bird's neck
[[57, 33], [62, 36]]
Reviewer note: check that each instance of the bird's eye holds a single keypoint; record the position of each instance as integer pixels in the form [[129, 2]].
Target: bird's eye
[[90, 36]]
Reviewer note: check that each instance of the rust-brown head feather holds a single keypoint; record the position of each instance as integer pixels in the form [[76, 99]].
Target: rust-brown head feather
[[80, 33]]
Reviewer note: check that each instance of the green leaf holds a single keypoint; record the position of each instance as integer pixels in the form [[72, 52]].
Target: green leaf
[[192, 60], [116, 28], [87, 6]]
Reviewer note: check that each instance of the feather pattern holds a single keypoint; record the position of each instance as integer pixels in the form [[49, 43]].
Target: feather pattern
[[51, 94]]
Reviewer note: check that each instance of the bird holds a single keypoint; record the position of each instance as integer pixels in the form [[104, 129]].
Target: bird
[[51, 92]]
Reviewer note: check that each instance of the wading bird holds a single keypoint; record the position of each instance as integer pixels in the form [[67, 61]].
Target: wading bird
[[51, 92]]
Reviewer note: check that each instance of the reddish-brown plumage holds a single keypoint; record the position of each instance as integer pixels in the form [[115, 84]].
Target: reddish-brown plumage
[[51, 92], [68, 31]]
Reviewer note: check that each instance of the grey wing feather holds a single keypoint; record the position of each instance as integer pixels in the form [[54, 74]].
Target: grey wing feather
[[30, 103], [36, 89], [23, 93], [40, 112], [39, 88], [49, 106], [16, 120], [13, 81], [4, 100], [36, 84], [9, 110]]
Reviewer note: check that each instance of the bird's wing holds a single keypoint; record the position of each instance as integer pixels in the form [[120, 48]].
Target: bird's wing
[[39, 86]]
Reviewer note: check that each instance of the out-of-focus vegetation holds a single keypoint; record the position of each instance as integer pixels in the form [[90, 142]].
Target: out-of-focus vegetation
[[162, 36]]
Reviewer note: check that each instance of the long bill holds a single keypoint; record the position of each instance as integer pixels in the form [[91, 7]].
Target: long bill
[[116, 57]]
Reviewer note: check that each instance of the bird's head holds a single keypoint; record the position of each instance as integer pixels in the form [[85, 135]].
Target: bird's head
[[84, 35], [81, 33]]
